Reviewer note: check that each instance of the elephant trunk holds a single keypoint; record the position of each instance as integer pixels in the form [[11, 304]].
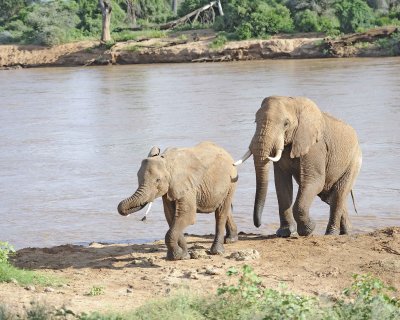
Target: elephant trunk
[[262, 146], [262, 173], [134, 203]]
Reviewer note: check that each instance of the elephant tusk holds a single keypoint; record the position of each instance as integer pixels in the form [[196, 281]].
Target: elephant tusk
[[277, 156], [147, 211], [243, 159]]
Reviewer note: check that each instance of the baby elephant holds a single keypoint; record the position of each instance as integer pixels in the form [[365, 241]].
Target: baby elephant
[[189, 180]]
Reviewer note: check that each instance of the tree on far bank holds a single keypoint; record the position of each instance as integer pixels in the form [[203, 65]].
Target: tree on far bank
[[106, 9], [175, 6], [9, 8]]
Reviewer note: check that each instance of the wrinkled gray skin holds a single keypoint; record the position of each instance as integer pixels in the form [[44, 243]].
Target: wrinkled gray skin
[[320, 152], [189, 180]]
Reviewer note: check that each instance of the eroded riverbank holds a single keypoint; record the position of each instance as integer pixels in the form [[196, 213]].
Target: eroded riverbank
[[199, 46]]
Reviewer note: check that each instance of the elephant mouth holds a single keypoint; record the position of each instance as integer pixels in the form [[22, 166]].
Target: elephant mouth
[[126, 212]]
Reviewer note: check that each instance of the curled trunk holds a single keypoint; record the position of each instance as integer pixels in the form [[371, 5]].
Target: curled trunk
[[134, 203]]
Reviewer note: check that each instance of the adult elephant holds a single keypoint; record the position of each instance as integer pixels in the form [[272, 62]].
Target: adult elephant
[[189, 180], [321, 153]]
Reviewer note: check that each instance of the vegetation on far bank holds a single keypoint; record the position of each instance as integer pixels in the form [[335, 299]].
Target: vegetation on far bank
[[50, 22], [366, 298]]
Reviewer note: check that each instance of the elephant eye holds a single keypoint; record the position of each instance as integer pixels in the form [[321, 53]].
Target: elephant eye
[[286, 124]]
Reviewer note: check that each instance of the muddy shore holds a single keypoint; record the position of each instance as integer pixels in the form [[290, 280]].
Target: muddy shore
[[194, 46], [130, 275]]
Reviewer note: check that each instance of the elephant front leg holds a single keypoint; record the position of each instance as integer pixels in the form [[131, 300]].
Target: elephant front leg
[[301, 208], [284, 192], [169, 211], [184, 215]]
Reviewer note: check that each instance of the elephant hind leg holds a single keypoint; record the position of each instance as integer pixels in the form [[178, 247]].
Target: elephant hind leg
[[231, 228], [223, 219], [338, 218], [339, 222]]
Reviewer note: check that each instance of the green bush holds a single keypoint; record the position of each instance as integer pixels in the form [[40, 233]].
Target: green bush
[[254, 18], [5, 251], [219, 41], [270, 19], [354, 15], [330, 25], [310, 21], [244, 31], [307, 21]]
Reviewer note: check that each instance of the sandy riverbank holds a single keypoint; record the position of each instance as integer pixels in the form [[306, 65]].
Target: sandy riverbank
[[130, 275]]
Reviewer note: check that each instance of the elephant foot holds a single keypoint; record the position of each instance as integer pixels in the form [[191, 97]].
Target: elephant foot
[[217, 249], [305, 229], [177, 255], [332, 232], [344, 229], [231, 239], [285, 232]]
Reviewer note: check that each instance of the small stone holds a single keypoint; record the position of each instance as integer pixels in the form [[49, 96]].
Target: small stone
[[244, 255], [48, 289], [199, 254], [191, 275], [30, 288], [212, 272], [145, 278], [129, 290], [12, 280]]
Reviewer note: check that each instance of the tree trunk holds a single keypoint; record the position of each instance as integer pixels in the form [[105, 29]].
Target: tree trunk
[[175, 7], [131, 12], [106, 9]]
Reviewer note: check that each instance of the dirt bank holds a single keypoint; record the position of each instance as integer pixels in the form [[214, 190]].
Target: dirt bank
[[197, 46], [130, 275]]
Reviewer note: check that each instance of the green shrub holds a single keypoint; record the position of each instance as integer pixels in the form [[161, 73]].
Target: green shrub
[[219, 41], [96, 291], [24, 277], [310, 21], [270, 19], [329, 25], [371, 299], [5, 251], [354, 15], [307, 21], [254, 18], [244, 31]]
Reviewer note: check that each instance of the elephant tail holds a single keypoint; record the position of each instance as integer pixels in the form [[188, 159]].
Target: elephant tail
[[354, 203]]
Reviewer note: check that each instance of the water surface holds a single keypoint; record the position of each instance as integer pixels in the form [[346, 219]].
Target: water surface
[[72, 139]]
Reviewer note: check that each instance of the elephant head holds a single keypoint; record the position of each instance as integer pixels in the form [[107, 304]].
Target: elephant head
[[292, 122], [173, 173]]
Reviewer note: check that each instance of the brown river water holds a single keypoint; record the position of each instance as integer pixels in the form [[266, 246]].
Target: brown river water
[[72, 139]]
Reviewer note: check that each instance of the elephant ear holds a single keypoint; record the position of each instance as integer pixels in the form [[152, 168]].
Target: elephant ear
[[309, 129], [186, 172], [155, 151]]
